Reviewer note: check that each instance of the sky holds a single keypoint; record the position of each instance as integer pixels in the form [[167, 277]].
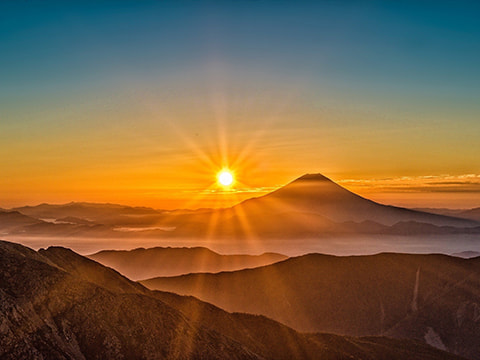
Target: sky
[[144, 102]]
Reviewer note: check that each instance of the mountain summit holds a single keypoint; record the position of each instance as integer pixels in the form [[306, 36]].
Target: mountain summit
[[317, 194], [315, 189]]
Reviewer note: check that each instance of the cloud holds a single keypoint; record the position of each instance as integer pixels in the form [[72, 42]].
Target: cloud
[[465, 183], [255, 190]]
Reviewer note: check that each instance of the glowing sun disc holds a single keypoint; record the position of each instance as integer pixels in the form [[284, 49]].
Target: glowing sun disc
[[225, 178]]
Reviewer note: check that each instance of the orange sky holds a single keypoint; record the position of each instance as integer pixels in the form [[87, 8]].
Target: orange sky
[[140, 152], [148, 114]]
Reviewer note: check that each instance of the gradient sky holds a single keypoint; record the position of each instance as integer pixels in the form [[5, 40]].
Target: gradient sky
[[142, 102]]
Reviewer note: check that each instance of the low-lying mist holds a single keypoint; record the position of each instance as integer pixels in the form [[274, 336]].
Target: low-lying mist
[[346, 245]]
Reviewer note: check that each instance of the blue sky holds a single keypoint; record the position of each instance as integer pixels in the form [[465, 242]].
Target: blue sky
[[396, 46]]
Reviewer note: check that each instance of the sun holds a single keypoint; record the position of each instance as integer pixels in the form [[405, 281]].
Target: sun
[[225, 177]]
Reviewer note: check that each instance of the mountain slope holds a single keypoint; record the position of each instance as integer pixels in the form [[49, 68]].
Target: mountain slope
[[473, 214], [12, 220], [313, 206], [276, 341], [146, 263], [49, 313], [99, 213], [315, 193], [56, 304], [386, 294], [467, 254]]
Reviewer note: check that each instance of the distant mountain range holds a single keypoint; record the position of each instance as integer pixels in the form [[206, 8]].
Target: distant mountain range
[[139, 264], [429, 298], [467, 254], [88, 211], [11, 220], [472, 214], [312, 206], [56, 304]]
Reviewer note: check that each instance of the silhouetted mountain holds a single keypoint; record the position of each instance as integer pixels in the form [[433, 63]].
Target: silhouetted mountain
[[42, 228], [315, 193], [99, 213], [17, 224], [473, 214], [417, 228], [470, 214], [467, 254], [312, 207], [56, 304], [13, 220], [442, 211], [432, 298], [146, 263]]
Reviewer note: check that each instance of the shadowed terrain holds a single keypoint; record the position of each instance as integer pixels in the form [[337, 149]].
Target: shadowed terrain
[[430, 298], [100, 213], [56, 304], [145, 263], [467, 254], [471, 214], [10, 220]]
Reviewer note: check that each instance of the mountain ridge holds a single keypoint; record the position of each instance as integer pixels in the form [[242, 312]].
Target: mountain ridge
[[311, 207], [399, 295], [57, 304], [141, 263]]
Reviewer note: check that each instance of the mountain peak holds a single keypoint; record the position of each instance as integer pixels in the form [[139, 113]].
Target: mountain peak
[[317, 194], [313, 190], [313, 177]]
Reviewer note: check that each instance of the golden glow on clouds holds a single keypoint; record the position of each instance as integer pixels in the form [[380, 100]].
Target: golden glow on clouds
[[454, 191], [465, 183]]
